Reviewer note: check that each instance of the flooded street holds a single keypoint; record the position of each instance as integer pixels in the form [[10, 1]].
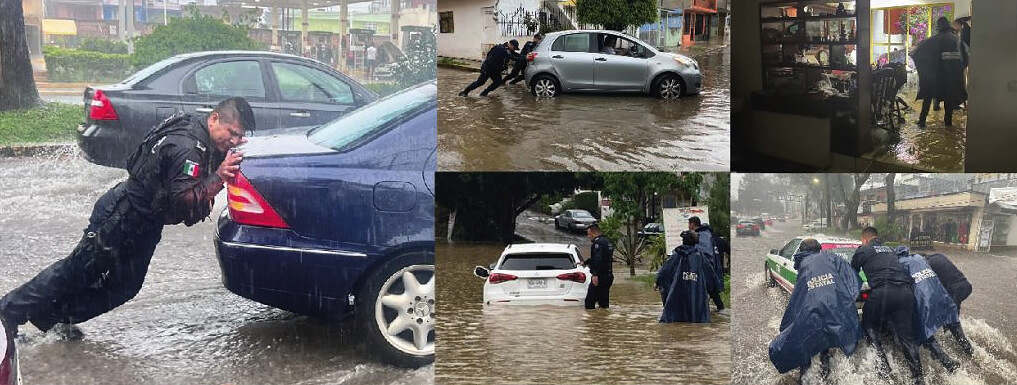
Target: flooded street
[[512, 130], [554, 344], [988, 318], [935, 147], [183, 327]]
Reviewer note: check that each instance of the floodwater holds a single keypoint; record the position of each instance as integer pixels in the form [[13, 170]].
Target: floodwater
[[512, 130], [559, 345], [183, 327], [988, 316], [935, 147]]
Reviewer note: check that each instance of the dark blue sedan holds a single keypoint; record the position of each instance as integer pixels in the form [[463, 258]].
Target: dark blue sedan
[[339, 221]]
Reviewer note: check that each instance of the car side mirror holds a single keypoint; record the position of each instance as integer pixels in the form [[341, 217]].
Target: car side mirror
[[481, 272], [773, 251]]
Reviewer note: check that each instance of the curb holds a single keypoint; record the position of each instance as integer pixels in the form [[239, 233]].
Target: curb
[[459, 67], [38, 149]]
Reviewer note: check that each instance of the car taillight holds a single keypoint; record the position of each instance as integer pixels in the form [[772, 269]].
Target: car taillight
[[574, 277], [101, 108], [248, 207], [741, 227], [865, 296], [531, 56], [496, 278]]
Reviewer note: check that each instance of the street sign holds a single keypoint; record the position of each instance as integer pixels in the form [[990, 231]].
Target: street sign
[[676, 220]]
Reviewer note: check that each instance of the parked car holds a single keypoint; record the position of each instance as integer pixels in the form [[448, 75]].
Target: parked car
[[781, 219], [574, 220], [285, 91], [582, 60], [9, 365], [651, 230], [339, 222], [747, 228], [779, 265], [536, 274], [817, 224], [760, 222]]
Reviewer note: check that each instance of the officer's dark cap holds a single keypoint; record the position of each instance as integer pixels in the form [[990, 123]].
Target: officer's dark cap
[[514, 43], [236, 109], [689, 237], [811, 245], [695, 220], [870, 231]]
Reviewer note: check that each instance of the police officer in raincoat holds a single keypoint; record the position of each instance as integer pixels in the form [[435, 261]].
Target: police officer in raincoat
[[959, 288], [821, 314], [173, 177], [933, 306], [940, 61], [891, 303], [706, 246], [682, 283]]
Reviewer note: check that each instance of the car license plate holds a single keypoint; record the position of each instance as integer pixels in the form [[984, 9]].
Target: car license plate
[[539, 283]]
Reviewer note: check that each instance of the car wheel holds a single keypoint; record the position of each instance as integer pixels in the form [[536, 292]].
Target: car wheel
[[770, 282], [397, 309], [669, 87], [545, 86]]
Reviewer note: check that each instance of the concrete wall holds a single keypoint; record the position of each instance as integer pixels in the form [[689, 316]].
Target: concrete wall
[[992, 118], [470, 23]]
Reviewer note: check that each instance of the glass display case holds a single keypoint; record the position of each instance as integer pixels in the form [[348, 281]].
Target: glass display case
[[809, 47]]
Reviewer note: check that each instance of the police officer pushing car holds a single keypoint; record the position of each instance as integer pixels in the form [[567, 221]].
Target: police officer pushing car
[[601, 258], [173, 177]]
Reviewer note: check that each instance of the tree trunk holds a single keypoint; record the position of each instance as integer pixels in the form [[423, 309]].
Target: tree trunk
[[17, 84], [891, 198]]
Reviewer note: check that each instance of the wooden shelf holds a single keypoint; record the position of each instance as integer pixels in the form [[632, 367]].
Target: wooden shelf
[[810, 66], [804, 18], [799, 42]]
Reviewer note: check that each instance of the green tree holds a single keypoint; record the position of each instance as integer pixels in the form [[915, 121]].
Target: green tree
[[631, 194], [719, 202], [193, 33], [484, 206], [17, 83], [588, 201], [616, 15], [421, 62]]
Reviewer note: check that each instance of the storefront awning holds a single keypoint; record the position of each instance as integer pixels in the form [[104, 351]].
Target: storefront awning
[[59, 27], [1004, 199]]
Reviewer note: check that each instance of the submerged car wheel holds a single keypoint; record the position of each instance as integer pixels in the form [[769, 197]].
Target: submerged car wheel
[[545, 86], [770, 282], [669, 87], [397, 309]]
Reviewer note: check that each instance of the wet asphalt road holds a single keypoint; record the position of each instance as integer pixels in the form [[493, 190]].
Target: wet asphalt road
[[512, 130], [989, 317], [183, 327]]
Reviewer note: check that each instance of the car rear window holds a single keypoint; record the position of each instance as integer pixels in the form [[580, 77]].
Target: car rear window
[[576, 42], [152, 69], [843, 252], [581, 214], [538, 261], [376, 117]]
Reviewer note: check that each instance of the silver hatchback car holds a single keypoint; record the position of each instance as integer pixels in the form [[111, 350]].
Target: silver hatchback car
[[608, 61]]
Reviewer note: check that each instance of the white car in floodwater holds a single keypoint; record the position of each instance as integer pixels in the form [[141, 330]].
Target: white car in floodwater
[[536, 274]]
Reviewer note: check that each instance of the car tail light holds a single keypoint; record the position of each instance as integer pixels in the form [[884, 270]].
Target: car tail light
[[248, 207], [496, 278], [865, 296], [574, 277], [531, 56], [741, 227], [101, 108]]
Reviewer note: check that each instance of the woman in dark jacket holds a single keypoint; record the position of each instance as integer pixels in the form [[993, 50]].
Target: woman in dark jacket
[[940, 61]]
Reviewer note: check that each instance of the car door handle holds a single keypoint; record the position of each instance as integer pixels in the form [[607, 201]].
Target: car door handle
[[300, 114], [600, 59], [203, 109], [557, 57]]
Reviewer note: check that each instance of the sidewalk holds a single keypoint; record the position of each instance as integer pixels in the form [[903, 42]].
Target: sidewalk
[[459, 64]]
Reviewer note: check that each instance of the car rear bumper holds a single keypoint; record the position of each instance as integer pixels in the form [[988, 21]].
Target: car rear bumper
[[566, 300], [103, 145], [300, 279]]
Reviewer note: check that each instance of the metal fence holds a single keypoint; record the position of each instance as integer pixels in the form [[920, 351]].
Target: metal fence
[[518, 22]]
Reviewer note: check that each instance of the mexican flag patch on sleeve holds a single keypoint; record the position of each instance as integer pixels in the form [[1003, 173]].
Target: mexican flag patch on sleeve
[[192, 169]]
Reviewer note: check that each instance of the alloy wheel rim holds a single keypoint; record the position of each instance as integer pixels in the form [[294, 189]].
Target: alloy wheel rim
[[545, 87], [414, 309], [670, 89]]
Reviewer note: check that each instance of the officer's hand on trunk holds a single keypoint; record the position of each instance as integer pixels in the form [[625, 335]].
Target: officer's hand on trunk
[[227, 170]]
